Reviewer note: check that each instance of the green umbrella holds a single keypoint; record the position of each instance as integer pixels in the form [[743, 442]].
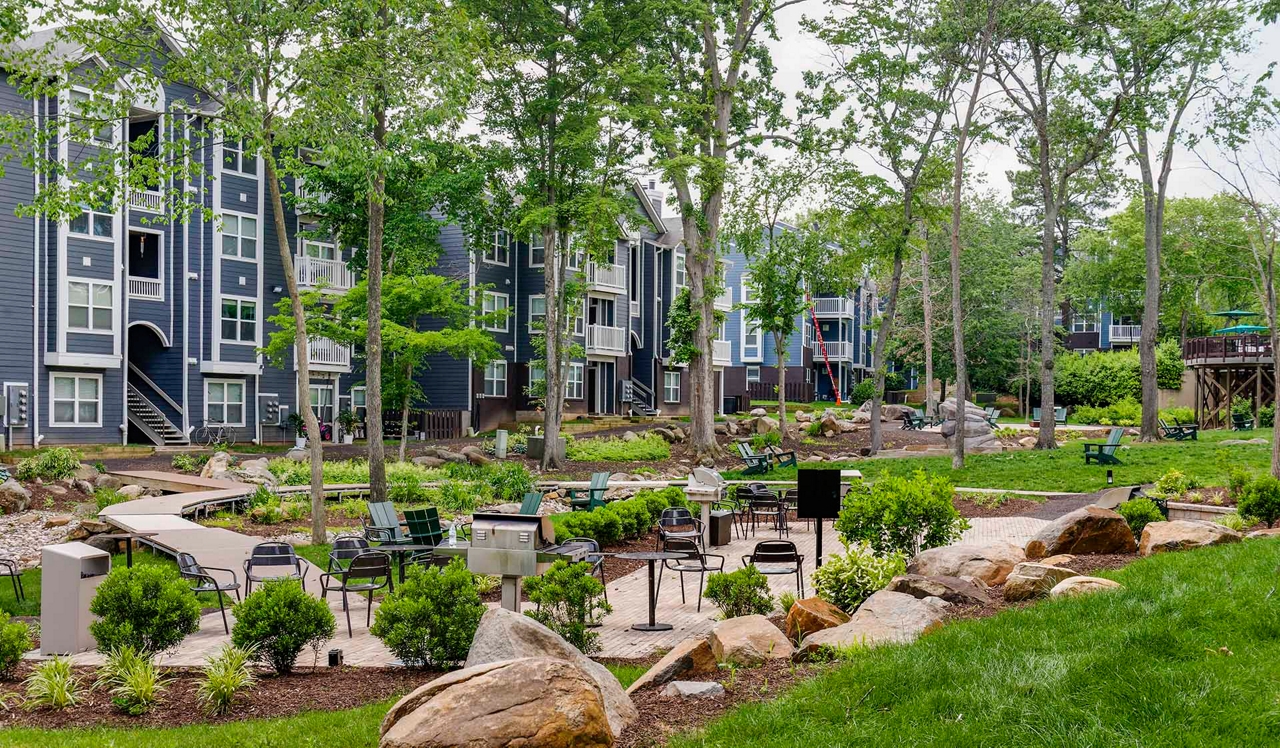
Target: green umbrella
[[1240, 330], [1233, 314]]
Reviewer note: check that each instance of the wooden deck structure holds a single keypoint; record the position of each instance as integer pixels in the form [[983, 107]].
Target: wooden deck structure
[[1227, 367]]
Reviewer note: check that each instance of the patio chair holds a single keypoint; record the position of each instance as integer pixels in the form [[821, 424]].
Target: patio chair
[[1179, 432], [736, 508], [756, 464], [274, 555], [992, 415], [532, 503], [345, 548], [204, 581], [9, 568], [791, 503], [678, 523], [1241, 422], [783, 459], [694, 562], [775, 557], [367, 573], [594, 496], [593, 557], [913, 421], [1060, 415], [1105, 453], [384, 525], [772, 510], [424, 526]]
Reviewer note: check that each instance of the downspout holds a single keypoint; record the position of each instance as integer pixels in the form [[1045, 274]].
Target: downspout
[[186, 288], [34, 404]]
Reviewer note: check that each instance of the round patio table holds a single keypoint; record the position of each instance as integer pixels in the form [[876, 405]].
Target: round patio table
[[652, 557], [400, 549]]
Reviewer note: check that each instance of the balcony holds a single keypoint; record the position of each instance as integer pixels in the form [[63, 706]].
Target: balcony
[[837, 350], [148, 200], [603, 340], [324, 354], [314, 272], [146, 288], [835, 307], [721, 353], [306, 199], [611, 278], [1126, 333]]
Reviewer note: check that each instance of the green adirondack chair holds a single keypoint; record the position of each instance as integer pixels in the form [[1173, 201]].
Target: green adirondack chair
[[1104, 454], [991, 414], [1179, 431], [594, 494], [532, 502], [424, 526], [757, 464], [1241, 422], [384, 525], [1059, 415], [913, 421]]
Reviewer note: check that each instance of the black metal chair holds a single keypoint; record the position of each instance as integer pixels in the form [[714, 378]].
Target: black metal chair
[[593, 557], [769, 509], [366, 573], [204, 581], [791, 501], [773, 557], [9, 568], [274, 555], [678, 523], [345, 548], [737, 512], [694, 562]]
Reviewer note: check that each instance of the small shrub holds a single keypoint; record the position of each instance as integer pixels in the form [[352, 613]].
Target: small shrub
[[786, 600], [1267, 416], [510, 480], [225, 674], [278, 620], [432, 617], [132, 680], [1238, 480], [897, 514], [53, 684], [602, 526], [814, 429], [847, 580], [51, 464], [634, 516], [1139, 513], [15, 640], [1233, 521], [1243, 407], [1261, 499], [186, 462], [486, 583], [1178, 414], [648, 448], [266, 515], [459, 496], [761, 441], [1126, 412], [147, 607], [740, 593], [262, 496], [105, 497], [568, 601], [862, 392], [1174, 485]]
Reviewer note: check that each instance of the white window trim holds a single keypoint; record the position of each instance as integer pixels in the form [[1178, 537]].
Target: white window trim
[[533, 264], [243, 400], [506, 321], [745, 285], [77, 377], [759, 354], [257, 320], [666, 398], [66, 306], [91, 236], [219, 233], [581, 381], [65, 105], [757, 374], [678, 269], [580, 321], [492, 247], [533, 316], [488, 379], [302, 249], [222, 161], [362, 389]]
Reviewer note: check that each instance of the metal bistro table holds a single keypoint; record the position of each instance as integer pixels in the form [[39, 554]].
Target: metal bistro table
[[652, 557], [401, 549], [128, 538]]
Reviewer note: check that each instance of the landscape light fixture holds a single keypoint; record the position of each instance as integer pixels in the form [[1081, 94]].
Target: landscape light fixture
[[1110, 478]]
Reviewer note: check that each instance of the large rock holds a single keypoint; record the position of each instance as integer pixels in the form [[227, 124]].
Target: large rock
[[975, 430], [535, 702], [748, 640], [475, 455], [1267, 533], [298, 455], [85, 472], [132, 490], [14, 497], [428, 461], [892, 412], [758, 413], [885, 617], [686, 689], [989, 562], [689, 657], [220, 462], [448, 456], [952, 589], [1030, 580], [1082, 585], [107, 481], [504, 635], [1090, 529], [1181, 534], [811, 615], [766, 425], [830, 422], [630, 436]]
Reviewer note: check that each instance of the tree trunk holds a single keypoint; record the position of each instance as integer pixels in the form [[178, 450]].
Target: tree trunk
[[1045, 439], [882, 338], [701, 271], [404, 425], [930, 402], [1152, 198], [373, 337], [314, 441], [558, 314], [779, 347]]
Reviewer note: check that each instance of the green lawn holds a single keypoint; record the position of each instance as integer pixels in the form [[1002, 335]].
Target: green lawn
[[1185, 656], [1063, 469]]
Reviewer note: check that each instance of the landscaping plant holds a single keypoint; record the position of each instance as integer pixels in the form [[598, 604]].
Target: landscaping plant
[[105, 497], [1267, 416], [278, 620], [53, 684], [58, 463], [147, 607], [432, 617], [771, 439], [846, 580], [569, 600], [510, 480], [185, 462], [1174, 485], [739, 593], [1233, 521], [1242, 407], [648, 448], [15, 640], [901, 514], [1261, 500], [132, 679], [225, 674], [786, 600], [1139, 513]]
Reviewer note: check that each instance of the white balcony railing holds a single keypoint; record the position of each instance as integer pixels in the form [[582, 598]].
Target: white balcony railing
[[607, 277], [721, 352], [314, 272], [307, 197], [152, 202], [146, 288], [837, 350], [1126, 333], [724, 301], [609, 341], [323, 353], [635, 308], [834, 307]]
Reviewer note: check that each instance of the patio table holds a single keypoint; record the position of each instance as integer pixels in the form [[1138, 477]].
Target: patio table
[[652, 557], [128, 537]]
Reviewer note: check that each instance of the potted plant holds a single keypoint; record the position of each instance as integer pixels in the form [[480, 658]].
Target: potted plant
[[347, 420], [296, 423]]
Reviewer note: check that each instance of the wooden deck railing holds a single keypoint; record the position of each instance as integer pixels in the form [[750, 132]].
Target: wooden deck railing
[[1227, 347]]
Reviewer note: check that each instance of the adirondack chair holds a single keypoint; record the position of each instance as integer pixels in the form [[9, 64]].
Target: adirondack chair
[[991, 414], [784, 459], [532, 502], [757, 464], [1179, 432], [913, 421], [384, 526], [424, 526], [1241, 422], [594, 494], [1104, 454], [1059, 415]]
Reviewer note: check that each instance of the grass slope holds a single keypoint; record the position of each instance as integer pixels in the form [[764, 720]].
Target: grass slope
[[1141, 667], [1063, 469]]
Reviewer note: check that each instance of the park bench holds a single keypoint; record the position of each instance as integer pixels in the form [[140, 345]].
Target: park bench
[[1179, 431], [594, 494], [1241, 422], [1105, 453]]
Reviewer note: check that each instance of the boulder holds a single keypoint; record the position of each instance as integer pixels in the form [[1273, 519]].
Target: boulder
[[951, 589], [107, 481], [665, 433], [1268, 533], [428, 461], [56, 490], [758, 413], [1090, 529], [1235, 442], [885, 617], [1028, 441], [297, 455], [1031, 580], [846, 426], [619, 478], [831, 423], [721, 429], [253, 471], [688, 689], [975, 430], [748, 640], [689, 657], [989, 562], [132, 490], [14, 497], [534, 702], [861, 417], [85, 472], [504, 635], [218, 463], [475, 455], [766, 425], [803, 417], [1062, 559], [813, 614], [83, 486], [1181, 534], [58, 520], [892, 412], [630, 436], [508, 508], [1081, 585], [679, 433], [448, 456]]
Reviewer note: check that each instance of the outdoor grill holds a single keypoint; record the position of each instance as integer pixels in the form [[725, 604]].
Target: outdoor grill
[[513, 546]]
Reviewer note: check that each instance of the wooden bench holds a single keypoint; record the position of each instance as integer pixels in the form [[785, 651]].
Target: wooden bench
[[1104, 453]]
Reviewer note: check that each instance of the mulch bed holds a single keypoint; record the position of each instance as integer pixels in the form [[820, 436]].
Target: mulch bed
[[273, 696]]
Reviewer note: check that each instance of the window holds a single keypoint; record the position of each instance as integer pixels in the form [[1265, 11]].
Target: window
[[80, 106], [239, 236], [321, 399], [319, 250], [753, 374], [576, 256], [359, 399], [671, 386], [224, 402], [746, 290], [537, 312], [239, 320], [77, 400], [537, 251], [495, 379], [580, 320], [1084, 322], [751, 341], [235, 159], [807, 334], [808, 376], [495, 304], [497, 253], [722, 332], [679, 268], [573, 380], [89, 306], [93, 223]]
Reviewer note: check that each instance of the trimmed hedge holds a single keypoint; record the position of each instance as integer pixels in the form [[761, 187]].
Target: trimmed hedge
[[1106, 378], [629, 518]]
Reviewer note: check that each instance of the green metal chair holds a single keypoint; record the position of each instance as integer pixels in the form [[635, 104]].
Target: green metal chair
[[1104, 454], [532, 502], [1179, 432], [1241, 422], [594, 494], [424, 526]]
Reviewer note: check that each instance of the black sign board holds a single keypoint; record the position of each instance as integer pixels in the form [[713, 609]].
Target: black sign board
[[819, 494]]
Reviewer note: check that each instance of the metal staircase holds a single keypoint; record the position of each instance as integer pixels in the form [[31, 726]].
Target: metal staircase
[[150, 421], [639, 398]]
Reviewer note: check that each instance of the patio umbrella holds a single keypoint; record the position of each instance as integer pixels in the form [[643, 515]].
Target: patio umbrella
[[1240, 330]]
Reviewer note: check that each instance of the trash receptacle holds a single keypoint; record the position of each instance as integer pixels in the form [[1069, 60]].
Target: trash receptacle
[[70, 575], [721, 527]]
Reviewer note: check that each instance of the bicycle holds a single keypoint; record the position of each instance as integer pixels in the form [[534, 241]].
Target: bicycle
[[212, 434]]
